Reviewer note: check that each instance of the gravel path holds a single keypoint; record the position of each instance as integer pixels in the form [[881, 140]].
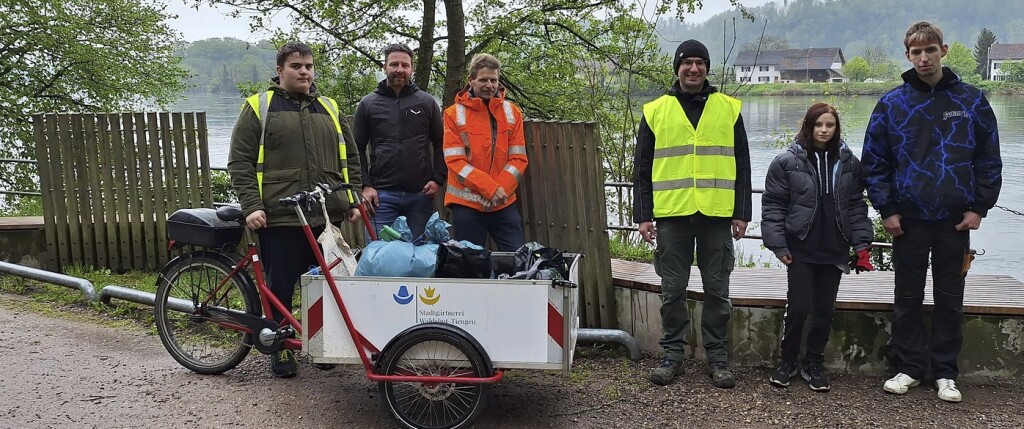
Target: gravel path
[[72, 373]]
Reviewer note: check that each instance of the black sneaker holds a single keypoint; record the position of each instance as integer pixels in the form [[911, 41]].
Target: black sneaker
[[666, 372], [814, 373], [283, 364], [721, 376], [782, 375]]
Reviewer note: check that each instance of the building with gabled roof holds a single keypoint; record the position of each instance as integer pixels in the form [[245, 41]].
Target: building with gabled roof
[[999, 54], [790, 65]]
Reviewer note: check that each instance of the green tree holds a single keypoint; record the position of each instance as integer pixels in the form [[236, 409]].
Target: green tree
[[78, 55], [985, 40], [857, 69], [1014, 71], [444, 41], [961, 61]]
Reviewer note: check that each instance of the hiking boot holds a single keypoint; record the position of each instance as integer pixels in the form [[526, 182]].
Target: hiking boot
[[668, 370], [814, 374], [283, 364], [947, 390], [900, 384], [781, 376], [721, 376]]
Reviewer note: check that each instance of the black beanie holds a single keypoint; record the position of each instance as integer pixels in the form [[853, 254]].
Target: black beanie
[[687, 49]]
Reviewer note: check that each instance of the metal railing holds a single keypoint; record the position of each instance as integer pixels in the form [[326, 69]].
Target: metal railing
[[20, 193], [614, 227]]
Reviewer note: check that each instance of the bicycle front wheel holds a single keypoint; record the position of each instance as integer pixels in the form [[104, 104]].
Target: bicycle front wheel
[[434, 352], [186, 287]]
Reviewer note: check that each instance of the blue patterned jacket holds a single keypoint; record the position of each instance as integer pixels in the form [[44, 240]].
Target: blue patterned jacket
[[932, 153]]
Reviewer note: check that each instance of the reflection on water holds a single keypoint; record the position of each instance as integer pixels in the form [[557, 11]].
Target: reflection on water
[[771, 123]]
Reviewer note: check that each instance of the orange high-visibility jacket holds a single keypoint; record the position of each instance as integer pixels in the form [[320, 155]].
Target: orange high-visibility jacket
[[477, 163]]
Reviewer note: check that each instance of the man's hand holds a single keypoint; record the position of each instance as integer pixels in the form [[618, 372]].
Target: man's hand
[[739, 229], [372, 202], [971, 220], [256, 220], [648, 232], [352, 215], [892, 225], [430, 188], [500, 197], [786, 259]]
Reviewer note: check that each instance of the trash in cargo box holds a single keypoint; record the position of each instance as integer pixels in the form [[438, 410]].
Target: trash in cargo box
[[402, 258], [536, 262]]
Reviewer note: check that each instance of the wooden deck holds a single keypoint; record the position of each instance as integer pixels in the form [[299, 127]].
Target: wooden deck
[[21, 223], [766, 287]]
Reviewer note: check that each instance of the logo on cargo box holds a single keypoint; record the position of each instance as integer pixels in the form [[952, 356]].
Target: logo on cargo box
[[403, 296], [427, 297]]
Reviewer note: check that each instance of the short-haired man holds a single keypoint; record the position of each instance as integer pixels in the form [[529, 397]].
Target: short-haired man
[[933, 170], [399, 134], [287, 140], [485, 151], [692, 166]]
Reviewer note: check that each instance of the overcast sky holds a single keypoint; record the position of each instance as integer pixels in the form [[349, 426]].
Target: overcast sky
[[209, 22]]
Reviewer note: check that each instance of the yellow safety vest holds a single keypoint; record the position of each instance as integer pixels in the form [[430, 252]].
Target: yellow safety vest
[[694, 169], [260, 104]]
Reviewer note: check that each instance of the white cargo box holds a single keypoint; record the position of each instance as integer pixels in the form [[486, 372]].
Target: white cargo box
[[519, 323]]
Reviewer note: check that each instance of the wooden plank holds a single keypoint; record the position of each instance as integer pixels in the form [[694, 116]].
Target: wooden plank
[[148, 242], [70, 202], [134, 207], [107, 128], [192, 158], [983, 294], [159, 185], [80, 167], [167, 147], [124, 248], [570, 212], [537, 181], [47, 183], [204, 159], [598, 221], [92, 164], [180, 175], [526, 187]]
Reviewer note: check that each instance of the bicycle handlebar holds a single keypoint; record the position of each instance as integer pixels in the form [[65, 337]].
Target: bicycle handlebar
[[303, 197]]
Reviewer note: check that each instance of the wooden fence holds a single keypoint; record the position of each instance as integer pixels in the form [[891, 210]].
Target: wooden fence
[[108, 182], [563, 206]]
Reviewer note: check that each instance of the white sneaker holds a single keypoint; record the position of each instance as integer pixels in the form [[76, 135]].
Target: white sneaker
[[947, 390], [900, 384]]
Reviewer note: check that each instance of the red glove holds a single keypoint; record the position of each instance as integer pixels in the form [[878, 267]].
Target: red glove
[[861, 261]]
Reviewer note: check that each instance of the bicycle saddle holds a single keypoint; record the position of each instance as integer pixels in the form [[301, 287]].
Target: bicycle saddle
[[232, 212]]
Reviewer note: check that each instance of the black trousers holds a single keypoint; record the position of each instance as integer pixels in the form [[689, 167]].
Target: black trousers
[[286, 256], [812, 294], [948, 248]]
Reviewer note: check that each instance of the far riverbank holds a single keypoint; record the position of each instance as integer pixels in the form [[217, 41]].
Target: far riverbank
[[852, 88]]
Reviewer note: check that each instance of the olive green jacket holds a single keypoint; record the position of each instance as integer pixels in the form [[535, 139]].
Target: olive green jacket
[[300, 150]]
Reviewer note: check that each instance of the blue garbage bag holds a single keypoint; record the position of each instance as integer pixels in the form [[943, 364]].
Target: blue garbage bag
[[402, 258]]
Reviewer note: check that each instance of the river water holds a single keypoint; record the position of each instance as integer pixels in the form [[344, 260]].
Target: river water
[[770, 123]]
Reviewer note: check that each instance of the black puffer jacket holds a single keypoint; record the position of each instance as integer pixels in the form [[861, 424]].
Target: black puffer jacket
[[399, 137], [790, 200]]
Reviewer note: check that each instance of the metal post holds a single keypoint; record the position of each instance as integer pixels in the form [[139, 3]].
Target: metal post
[[50, 277]]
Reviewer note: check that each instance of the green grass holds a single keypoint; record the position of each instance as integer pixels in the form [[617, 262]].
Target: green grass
[[60, 301]]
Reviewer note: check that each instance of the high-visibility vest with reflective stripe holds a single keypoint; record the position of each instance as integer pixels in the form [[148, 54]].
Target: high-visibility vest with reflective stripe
[[694, 169], [260, 104]]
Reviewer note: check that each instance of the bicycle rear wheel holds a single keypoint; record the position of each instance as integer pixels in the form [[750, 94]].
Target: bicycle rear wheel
[[184, 285], [435, 352]]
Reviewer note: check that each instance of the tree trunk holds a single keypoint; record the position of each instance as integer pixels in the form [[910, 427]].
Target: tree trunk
[[425, 54], [455, 73]]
